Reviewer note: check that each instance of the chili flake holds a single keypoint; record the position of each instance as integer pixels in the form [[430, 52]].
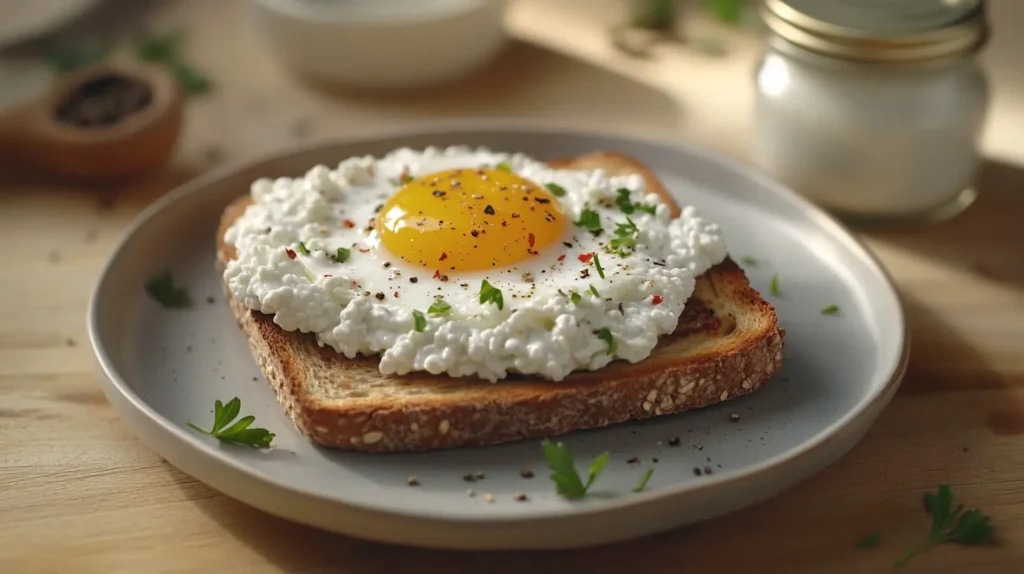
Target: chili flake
[[348, 223], [586, 257], [657, 300], [291, 254]]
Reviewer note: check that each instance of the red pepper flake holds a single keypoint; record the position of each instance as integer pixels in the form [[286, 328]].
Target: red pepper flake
[[531, 239], [657, 299], [437, 274], [348, 223], [291, 254], [325, 276], [561, 258], [586, 257], [396, 294], [361, 250], [443, 256]]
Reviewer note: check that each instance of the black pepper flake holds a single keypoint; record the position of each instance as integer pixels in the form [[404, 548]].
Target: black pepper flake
[[633, 460], [515, 216], [414, 280], [379, 296], [504, 224], [542, 200], [674, 441], [438, 193], [474, 233], [521, 497], [366, 293], [526, 473], [707, 470], [387, 264], [734, 417], [567, 244], [211, 300], [378, 208], [489, 210], [468, 477], [696, 471], [655, 460], [700, 447]]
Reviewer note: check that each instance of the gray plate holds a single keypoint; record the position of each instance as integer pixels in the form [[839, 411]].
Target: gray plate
[[162, 368]]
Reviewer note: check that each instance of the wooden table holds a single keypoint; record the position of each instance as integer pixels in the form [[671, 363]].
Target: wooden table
[[79, 493]]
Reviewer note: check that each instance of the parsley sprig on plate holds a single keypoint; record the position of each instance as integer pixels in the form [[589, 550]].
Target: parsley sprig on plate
[[239, 432], [163, 290]]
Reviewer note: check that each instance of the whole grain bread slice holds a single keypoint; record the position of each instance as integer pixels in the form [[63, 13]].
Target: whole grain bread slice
[[727, 344]]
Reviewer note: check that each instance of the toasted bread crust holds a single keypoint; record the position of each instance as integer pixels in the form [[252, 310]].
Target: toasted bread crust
[[727, 344]]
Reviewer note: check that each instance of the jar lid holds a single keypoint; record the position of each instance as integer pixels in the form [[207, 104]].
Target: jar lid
[[880, 30]]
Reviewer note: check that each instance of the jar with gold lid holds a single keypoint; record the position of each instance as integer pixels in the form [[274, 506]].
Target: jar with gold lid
[[872, 108]]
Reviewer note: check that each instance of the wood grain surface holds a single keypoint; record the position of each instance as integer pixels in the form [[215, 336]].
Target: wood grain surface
[[79, 493]]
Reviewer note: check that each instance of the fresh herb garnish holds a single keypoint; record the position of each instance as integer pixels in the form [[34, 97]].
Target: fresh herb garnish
[[624, 241], [594, 290], [302, 248], [555, 189], [407, 178], [643, 480], [504, 166], [563, 470], [163, 48], [869, 541], [419, 322], [191, 81], [491, 294], [72, 58], [728, 11], [830, 310], [750, 260], [774, 285], [651, 209], [606, 335], [589, 219], [950, 524], [575, 297], [162, 289], [439, 307], [239, 432], [342, 255], [597, 265], [628, 207]]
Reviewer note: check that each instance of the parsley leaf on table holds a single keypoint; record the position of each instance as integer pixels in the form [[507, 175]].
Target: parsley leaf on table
[[239, 432], [162, 289], [563, 470], [643, 480], [950, 524]]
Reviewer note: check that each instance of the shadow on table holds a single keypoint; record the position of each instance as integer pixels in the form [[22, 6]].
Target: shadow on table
[[987, 239]]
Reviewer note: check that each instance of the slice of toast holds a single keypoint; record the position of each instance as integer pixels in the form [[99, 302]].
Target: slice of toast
[[727, 344]]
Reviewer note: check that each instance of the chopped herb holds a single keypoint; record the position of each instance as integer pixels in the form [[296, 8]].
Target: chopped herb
[[728, 11], [774, 285], [239, 432], [65, 60], [643, 480], [302, 248], [750, 260], [342, 255], [606, 335], [950, 524], [575, 297], [651, 209], [163, 48], [625, 238], [504, 166], [555, 189], [594, 290], [830, 310], [439, 307], [597, 265], [419, 322], [589, 219], [190, 80], [869, 541], [407, 178], [491, 294], [162, 289], [623, 201], [563, 470]]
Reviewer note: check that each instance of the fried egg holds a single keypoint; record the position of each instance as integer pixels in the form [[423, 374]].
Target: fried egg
[[465, 261]]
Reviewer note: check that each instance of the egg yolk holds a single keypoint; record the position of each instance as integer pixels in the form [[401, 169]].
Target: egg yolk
[[469, 220]]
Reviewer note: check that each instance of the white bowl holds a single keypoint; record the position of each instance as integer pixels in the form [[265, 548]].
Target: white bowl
[[382, 43]]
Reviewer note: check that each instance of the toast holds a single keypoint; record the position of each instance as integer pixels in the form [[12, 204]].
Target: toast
[[727, 344]]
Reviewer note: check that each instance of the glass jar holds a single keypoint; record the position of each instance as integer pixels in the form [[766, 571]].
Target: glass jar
[[871, 108]]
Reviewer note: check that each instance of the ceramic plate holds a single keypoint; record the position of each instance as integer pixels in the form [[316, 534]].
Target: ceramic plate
[[161, 368]]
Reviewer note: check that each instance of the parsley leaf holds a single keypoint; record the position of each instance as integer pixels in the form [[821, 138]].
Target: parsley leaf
[[239, 432], [830, 310], [190, 80], [651, 209], [162, 289], [728, 11], [625, 238], [439, 307], [419, 322], [342, 255], [594, 290], [555, 189], [623, 201], [750, 260], [597, 265], [575, 297], [163, 48], [950, 524], [869, 541], [606, 335], [302, 248], [589, 219], [774, 285], [504, 166], [563, 470], [643, 480], [491, 294]]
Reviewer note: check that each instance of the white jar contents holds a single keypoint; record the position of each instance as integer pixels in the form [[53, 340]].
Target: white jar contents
[[871, 133]]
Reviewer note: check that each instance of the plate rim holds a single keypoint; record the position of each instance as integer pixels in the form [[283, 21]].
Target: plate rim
[[118, 390]]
